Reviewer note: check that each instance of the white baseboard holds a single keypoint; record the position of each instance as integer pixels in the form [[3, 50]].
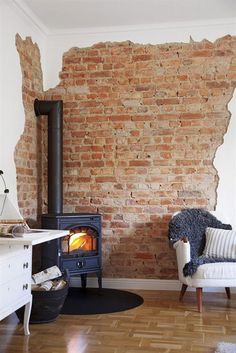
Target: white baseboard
[[129, 283], [138, 284]]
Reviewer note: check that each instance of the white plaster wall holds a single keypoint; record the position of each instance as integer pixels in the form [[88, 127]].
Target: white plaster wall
[[225, 164], [12, 117], [1, 79]]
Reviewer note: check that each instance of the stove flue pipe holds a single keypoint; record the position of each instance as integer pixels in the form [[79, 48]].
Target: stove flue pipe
[[54, 111]]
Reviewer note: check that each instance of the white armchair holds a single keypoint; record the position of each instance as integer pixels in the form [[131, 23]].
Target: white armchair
[[217, 274]]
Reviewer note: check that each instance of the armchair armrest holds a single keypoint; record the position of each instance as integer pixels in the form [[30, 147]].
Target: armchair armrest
[[182, 248]]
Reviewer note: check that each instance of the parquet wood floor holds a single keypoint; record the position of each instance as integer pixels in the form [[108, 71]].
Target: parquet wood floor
[[161, 325]]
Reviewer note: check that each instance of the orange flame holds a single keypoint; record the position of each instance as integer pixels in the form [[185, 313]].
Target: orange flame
[[81, 241]]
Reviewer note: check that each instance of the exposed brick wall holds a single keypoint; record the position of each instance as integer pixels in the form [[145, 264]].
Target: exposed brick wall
[[28, 149], [142, 124]]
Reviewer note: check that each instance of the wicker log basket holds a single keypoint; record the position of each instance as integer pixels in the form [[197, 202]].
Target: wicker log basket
[[46, 305]]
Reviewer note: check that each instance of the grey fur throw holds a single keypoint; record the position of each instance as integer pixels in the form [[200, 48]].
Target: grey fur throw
[[192, 222]]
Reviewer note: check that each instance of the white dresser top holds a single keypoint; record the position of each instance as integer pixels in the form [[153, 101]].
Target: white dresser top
[[37, 236]]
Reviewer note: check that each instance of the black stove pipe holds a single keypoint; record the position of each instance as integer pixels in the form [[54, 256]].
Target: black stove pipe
[[54, 111]]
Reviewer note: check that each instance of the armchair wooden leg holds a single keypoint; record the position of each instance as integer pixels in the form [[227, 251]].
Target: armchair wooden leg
[[182, 292], [199, 299], [227, 289]]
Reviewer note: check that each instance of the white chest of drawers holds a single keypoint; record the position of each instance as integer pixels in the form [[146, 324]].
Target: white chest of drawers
[[15, 278], [16, 271]]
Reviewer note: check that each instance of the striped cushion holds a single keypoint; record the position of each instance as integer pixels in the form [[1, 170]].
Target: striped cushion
[[220, 243]]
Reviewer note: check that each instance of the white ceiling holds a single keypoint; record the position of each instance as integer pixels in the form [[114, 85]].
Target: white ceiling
[[63, 15]]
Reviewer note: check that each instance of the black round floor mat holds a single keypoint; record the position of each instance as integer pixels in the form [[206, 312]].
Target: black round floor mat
[[94, 301]]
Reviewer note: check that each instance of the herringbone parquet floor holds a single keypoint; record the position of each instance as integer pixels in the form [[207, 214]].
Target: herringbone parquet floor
[[160, 325]]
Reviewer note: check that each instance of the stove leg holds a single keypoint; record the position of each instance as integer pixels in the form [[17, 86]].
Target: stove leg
[[83, 280], [99, 276]]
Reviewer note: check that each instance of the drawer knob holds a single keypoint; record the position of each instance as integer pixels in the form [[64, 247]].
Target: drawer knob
[[80, 264], [25, 286], [26, 246], [25, 265]]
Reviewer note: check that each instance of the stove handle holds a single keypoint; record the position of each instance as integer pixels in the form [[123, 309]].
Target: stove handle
[[81, 263]]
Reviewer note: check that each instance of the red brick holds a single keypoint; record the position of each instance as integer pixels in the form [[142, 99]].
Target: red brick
[[217, 84], [142, 57], [139, 163], [202, 53], [105, 179], [167, 101]]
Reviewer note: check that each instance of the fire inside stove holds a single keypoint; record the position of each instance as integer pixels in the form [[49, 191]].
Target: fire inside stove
[[80, 240]]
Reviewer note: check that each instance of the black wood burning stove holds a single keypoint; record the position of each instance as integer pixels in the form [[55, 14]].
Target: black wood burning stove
[[80, 251]]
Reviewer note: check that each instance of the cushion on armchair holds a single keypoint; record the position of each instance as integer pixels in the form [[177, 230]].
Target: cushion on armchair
[[220, 243]]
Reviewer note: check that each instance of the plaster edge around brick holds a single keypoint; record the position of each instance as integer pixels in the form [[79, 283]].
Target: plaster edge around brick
[[219, 155], [221, 140], [226, 169]]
